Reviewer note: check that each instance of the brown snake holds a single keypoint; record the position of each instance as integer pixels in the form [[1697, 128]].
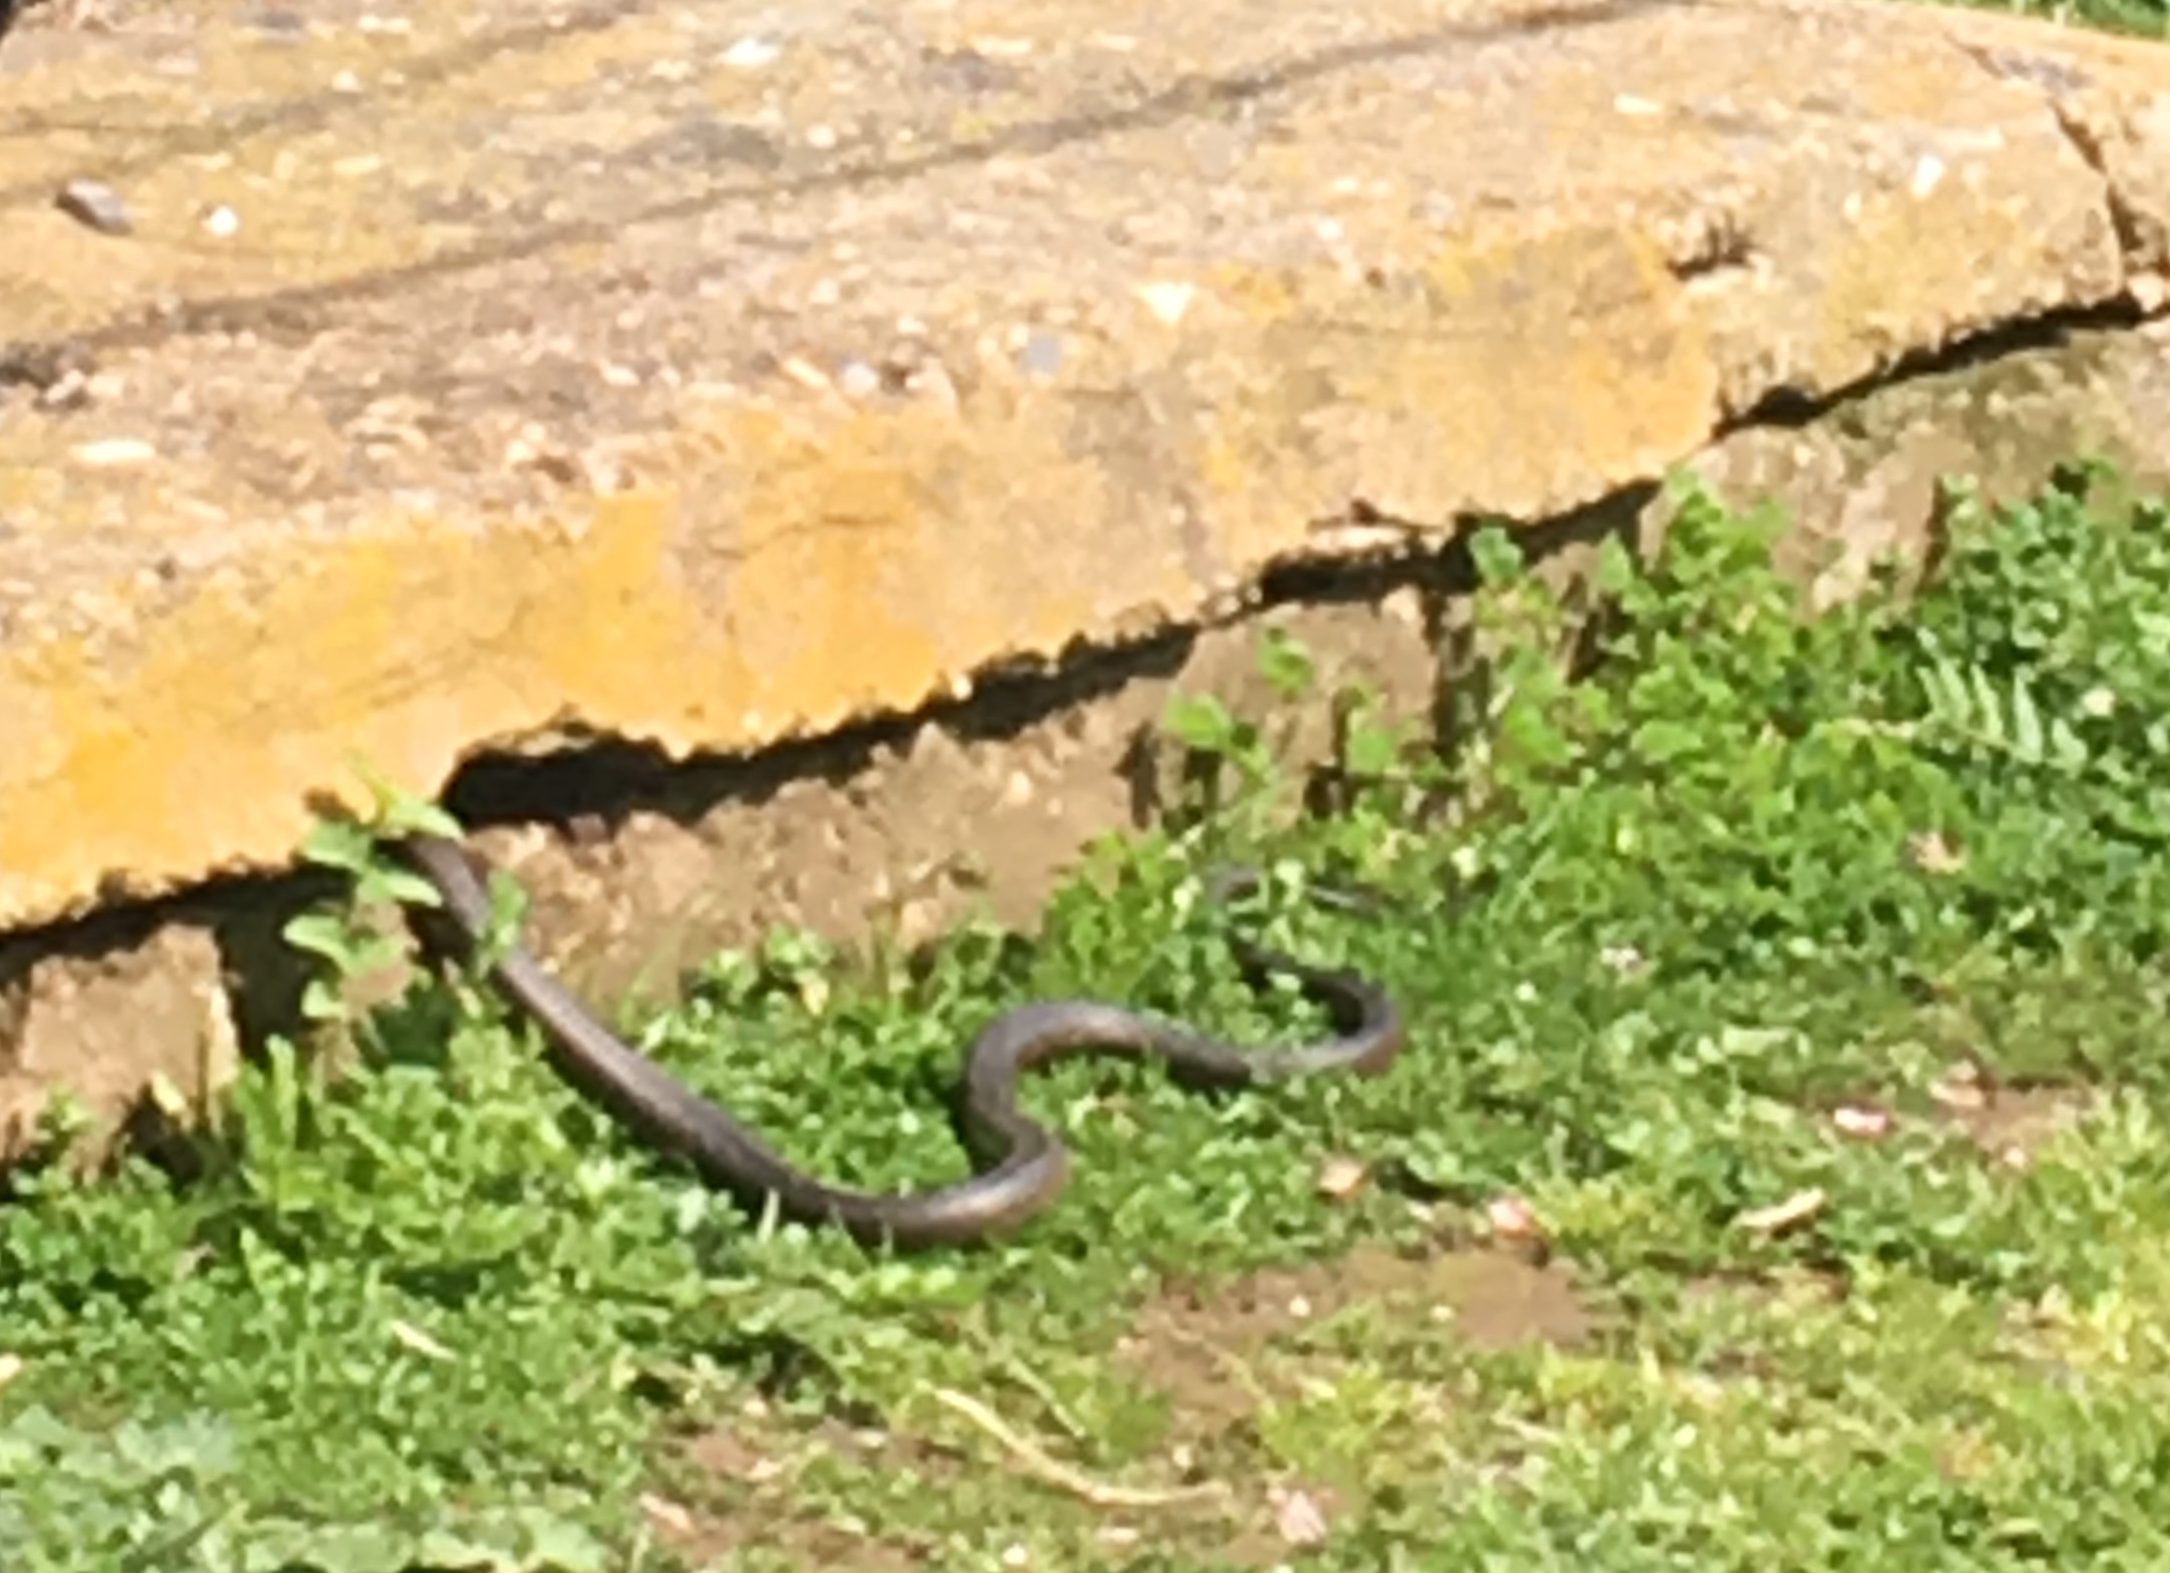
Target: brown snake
[[1024, 1164]]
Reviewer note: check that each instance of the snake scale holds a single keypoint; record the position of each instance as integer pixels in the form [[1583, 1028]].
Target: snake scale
[[1022, 1165]]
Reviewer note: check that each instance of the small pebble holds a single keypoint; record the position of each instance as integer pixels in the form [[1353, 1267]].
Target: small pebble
[[1168, 300], [857, 380], [1861, 1121], [1042, 354], [666, 1512], [1341, 1178], [109, 453], [96, 204], [751, 54], [1512, 1218], [1297, 1515]]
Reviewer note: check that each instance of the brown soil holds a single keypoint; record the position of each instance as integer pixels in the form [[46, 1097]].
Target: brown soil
[[2011, 1124], [1189, 1345]]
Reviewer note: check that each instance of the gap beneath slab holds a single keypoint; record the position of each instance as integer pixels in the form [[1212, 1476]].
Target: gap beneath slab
[[638, 866]]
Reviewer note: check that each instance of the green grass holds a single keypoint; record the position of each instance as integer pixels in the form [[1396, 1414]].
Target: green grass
[[1656, 929], [2143, 18]]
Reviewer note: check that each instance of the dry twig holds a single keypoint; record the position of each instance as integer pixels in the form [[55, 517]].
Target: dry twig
[[1054, 1472]]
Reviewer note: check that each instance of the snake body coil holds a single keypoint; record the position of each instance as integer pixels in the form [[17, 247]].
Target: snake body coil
[[1024, 1164]]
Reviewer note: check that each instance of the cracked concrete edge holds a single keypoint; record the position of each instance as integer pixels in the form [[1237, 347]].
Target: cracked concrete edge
[[1614, 345], [807, 562], [638, 868]]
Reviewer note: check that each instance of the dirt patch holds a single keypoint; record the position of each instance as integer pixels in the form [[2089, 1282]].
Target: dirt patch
[[2007, 1122], [742, 1484], [1198, 1349], [1193, 1345], [740, 1490], [2011, 1124], [703, 1538], [1499, 1300]]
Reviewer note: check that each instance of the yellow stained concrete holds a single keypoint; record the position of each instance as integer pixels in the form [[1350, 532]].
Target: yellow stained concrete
[[694, 379]]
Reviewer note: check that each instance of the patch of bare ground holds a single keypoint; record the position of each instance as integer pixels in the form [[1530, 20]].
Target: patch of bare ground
[[703, 1538], [742, 1490], [1199, 1348], [1194, 1348], [1495, 1298], [2008, 1122]]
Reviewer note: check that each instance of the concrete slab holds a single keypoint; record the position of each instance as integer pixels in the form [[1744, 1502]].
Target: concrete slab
[[479, 376]]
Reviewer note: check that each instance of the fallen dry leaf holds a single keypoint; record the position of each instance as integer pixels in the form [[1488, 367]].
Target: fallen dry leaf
[[1961, 1089], [1512, 1218], [1342, 1178], [1795, 1209], [1862, 1121], [419, 1341], [666, 1512], [1932, 854], [1297, 1518]]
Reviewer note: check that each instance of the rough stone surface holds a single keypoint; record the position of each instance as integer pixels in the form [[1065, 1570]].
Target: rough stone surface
[[108, 1021], [933, 823], [712, 375], [1862, 481], [479, 379], [927, 825], [645, 867]]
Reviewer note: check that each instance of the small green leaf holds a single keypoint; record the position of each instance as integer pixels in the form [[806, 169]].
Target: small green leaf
[[1285, 664], [1201, 722], [1988, 712], [2066, 745], [1496, 555], [1661, 741], [340, 844], [1372, 751], [1617, 570], [396, 886], [2027, 734], [323, 934], [407, 816]]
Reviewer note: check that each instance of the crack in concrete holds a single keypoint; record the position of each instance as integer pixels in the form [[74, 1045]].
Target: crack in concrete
[[1788, 407], [2126, 221], [309, 111], [2055, 84], [288, 309]]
